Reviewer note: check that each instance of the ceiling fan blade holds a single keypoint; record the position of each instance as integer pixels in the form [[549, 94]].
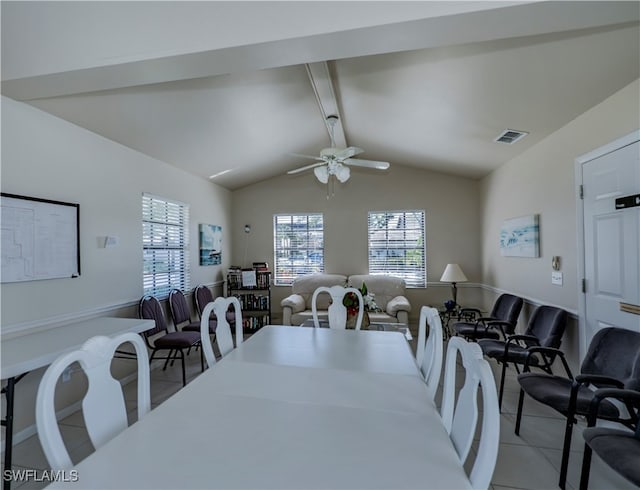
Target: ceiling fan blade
[[306, 167], [356, 162], [348, 152], [306, 156]]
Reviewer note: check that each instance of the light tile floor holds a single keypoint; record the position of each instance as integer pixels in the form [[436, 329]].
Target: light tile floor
[[528, 461]]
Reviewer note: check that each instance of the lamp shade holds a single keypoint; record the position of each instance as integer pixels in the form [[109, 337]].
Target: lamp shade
[[453, 273], [322, 174]]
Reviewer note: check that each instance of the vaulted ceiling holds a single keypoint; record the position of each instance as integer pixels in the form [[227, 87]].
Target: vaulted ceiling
[[232, 89]]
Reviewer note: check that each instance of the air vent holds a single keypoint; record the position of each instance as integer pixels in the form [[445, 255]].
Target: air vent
[[510, 136]]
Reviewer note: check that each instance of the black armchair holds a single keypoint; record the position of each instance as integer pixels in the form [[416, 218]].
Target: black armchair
[[546, 328], [619, 449], [502, 320], [612, 361]]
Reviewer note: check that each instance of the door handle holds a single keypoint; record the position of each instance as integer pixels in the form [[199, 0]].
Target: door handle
[[629, 308]]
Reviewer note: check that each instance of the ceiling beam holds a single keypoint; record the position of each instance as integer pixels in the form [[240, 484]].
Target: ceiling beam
[[322, 85]]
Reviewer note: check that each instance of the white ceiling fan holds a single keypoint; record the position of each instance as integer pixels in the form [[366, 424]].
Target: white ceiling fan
[[336, 161]]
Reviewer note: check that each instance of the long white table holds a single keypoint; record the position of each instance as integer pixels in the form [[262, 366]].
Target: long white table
[[290, 408], [24, 353]]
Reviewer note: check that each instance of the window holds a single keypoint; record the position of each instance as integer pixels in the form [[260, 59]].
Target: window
[[397, 245], [298, 246], [165, 245]]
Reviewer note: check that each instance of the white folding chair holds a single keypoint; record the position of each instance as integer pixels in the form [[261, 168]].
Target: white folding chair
[[337, 311], [429, 350], [224, 338], [461, 421], [103, 406]]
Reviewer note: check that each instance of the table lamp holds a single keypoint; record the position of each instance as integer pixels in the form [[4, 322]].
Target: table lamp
[[453, 274]]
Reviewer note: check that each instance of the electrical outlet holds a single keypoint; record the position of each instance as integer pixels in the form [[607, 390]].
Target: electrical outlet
[[66, 374], [556, 278]]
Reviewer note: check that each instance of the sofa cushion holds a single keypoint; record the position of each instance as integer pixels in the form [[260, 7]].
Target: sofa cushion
[[383, 287], [306, 285]]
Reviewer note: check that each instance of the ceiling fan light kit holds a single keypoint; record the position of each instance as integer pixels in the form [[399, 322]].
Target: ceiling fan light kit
[[335, 161]]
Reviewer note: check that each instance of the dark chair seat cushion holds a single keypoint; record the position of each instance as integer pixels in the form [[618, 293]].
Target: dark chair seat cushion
[[231, 317], [466, 329], [174, 340], [195, 326], [619, 449], [556, 390], [517, 353]]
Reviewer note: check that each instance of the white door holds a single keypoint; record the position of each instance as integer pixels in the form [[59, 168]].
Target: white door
[[611, 241]]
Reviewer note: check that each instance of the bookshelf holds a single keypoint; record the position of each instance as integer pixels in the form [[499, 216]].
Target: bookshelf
[[252, 287]]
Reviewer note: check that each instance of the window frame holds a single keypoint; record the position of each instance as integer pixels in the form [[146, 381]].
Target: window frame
[[415, 277], [308, 246], [170, 218]]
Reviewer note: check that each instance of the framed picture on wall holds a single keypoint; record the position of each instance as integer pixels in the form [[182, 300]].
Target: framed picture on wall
[[210, 244], [520, 237]]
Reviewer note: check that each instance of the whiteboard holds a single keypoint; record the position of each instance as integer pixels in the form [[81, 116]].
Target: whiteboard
[[40, 239]]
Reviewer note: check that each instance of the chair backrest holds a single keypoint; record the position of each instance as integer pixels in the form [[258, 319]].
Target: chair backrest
[[203, 297], [179, 308], [429, 350], [337, 310], [461, 421], [103, 405], [151, 309], [615, 352], [507, 308], [224, 337], [547, 324]]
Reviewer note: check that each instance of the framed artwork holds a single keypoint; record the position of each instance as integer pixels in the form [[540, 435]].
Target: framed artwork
[[210, 244], [520, 237]]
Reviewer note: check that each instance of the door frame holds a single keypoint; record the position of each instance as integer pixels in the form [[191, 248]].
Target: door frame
[[579, 162]]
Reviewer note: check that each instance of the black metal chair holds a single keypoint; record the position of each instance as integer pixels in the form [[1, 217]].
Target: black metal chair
[[202, 297], [619, 449], [174, 342], [546, 328], [502, 320], [612, 361], [180, 313]]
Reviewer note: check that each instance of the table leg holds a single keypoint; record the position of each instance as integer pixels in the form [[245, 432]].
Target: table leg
[[9, 391]]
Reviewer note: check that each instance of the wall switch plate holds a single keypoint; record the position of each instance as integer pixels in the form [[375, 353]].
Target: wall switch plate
[[110, 241], [556, 278]]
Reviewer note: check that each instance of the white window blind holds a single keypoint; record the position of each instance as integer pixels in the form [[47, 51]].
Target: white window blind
[[298, 246], [165, 245], [397, 245]]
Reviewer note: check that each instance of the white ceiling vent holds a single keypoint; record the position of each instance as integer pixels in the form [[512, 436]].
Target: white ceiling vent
[[510, 136]]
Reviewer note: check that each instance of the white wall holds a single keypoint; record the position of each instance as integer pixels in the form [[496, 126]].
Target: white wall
[[44, 156], [541, 181], [452, 222]]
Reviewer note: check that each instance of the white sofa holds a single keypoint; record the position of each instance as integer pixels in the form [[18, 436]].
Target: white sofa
[[388, 293]]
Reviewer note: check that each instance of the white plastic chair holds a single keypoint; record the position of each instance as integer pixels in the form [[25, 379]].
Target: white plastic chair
[[103, 406], [224, 337], [461, 421], [429, 351], [337, 311]]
